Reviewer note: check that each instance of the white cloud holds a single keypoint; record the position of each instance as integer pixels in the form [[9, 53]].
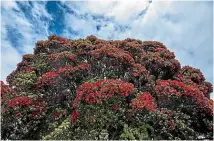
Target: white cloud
[[212, 96], [81, 25], [107, 31], [28, 33], [100, 7], [122, 11], [9, 58], [9, 5]]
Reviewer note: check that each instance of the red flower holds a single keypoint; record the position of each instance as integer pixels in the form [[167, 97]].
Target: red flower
[[62, 55], [74, 116], [5, 89], [116, 107], [3, 100], [116, 53], [83, 66], [174, 87], [144, 100], [48, 78], [57, 115], [29, 69], [65, 70], [92, 97], [172, 125], [62, 40], [138, 70], [210, 127], [162, 110], [93, 92], [72, 57], [169, 112], [39, 106], [20, 101], [19, 114], [3, 110]]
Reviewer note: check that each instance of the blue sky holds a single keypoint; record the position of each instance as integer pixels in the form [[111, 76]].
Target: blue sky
[[184, 27]]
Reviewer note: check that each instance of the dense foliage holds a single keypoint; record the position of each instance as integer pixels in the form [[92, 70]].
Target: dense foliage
[[97, 89]]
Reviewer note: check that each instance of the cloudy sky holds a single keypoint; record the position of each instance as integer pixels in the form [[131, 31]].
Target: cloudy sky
[[184, 27]]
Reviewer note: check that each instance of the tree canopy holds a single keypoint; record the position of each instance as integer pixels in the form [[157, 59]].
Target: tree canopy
[[105, 89]]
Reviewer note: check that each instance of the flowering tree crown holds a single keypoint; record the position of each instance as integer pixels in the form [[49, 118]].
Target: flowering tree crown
[[97, 89]]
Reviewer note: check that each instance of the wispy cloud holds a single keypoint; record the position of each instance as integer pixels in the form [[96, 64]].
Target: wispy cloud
[[121, 11], [20, 29]]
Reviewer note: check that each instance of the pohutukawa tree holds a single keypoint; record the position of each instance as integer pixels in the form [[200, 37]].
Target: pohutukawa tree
[[97, 89]]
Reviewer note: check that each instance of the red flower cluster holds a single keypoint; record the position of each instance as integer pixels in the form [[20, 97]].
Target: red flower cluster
[[41, 44], [28, 57], [194, 77], [166, 111], [138, 70], [22, 64], [172, 125], [210, 127], [185, 79], [6, 92], [158, 60], [91, 38], [27, 69], [206, 88], [57, 115], [51, 45], [39, 106], [116, 86], [83, 66], [144, 100], [65, 70], [74, 116], [48, 77], [174, 87], [116, 107], [160, 66], [165, 53], [3, 110], [163, 87], [116, 53], [3, 100], [20, 101], [61, 40], [132, 46], [82, 47], [101, 90], [19, 114], [62, 55], [194, 74], [89, 91], [152, 45], [5, 89]]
